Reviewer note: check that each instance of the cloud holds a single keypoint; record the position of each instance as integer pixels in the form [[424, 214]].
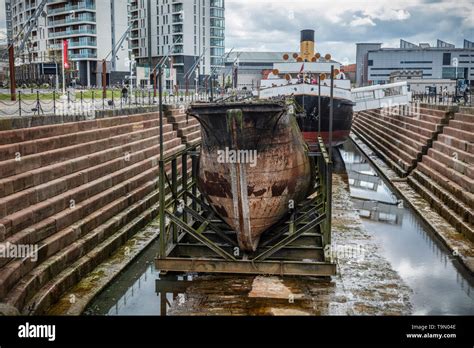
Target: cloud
[[339, 24], [360, 21]]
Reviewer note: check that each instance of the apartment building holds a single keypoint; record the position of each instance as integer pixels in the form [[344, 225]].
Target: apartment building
[[189, 31], [92, 27]]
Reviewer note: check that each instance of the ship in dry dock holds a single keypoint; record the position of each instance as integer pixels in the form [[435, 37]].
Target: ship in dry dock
[[254, 162], [306, 77]]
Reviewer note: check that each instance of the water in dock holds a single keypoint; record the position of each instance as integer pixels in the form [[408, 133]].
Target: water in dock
[[438, 284]]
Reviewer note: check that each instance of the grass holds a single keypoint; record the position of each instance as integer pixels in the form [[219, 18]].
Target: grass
[[87, 94], [97, 94]]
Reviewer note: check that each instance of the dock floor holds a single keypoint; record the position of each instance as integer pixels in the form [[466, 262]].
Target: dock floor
[[364, 285]]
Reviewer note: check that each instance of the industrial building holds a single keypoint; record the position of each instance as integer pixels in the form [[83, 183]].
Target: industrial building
[[246, 69], [443, 61]]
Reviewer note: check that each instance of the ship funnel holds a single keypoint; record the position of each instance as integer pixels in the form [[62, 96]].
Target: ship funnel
[[307, 45]]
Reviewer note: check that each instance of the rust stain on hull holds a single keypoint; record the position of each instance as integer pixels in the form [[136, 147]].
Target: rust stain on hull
[[251, 196]]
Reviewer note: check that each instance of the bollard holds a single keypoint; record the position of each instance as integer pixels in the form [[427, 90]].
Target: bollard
[[54, 102]]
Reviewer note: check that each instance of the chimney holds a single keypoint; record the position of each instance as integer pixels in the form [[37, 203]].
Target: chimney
[[307, 45]]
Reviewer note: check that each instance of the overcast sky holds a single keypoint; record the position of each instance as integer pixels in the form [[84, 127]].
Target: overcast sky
[[274, 25]]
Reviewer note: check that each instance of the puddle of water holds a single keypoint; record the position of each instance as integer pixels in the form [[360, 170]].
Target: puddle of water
[[440, 285], [139, 290]]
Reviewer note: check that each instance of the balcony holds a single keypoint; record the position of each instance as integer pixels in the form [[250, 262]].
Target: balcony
[[177, 18], [66, 33], [83, 55], [177, 8], [177, 28], [85, 17], [69, 8]]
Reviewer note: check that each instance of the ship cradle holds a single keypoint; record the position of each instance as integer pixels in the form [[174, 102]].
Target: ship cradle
[[254, 165]]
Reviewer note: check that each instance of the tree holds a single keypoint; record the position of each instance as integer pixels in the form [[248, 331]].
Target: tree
[[228, 83]]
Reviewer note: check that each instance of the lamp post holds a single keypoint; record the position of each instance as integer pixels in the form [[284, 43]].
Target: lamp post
[[132, 62]]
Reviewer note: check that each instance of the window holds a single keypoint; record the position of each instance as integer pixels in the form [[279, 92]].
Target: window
[[370, 62], [446, 58]]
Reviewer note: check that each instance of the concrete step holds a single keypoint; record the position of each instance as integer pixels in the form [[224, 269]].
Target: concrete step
[[418, 122], [469, 118], [103, 151], [33, 133], [407, 153], [407, 123], [188, 130], [449, 185], [37, 280], [184, 123], [398, 131], [462, 180], [29, 163], [385, 156], [414, 147], [457, 165], [431, 118], [396, 163], [22, 199], [448, 198], [452, 152], [116, 200], [26, 148], [439, 113], [457, 143], [459, 134], [40, 300], [192, 138], [60, 204], [454, 219], [464, 126]]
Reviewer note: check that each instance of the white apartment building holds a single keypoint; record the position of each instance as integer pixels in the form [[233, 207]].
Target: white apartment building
[[188, 30], [92, 28]]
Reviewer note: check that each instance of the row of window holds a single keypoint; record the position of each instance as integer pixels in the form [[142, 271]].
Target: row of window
[[404, 68]]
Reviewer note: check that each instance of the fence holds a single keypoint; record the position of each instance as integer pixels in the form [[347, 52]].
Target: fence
[[86, 102], [444, 99]]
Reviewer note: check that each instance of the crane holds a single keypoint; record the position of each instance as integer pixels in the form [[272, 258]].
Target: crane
[[161, 63], [104, 61], [28, 27]]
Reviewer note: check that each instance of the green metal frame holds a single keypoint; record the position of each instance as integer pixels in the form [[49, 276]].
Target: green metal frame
[[212, 244]]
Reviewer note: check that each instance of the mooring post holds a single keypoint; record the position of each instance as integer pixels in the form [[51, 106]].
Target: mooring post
[[162, 236]]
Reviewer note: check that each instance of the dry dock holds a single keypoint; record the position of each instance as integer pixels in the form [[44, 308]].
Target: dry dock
[[86, 193]]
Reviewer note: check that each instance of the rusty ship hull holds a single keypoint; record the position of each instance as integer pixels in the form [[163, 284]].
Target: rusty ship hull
[[254, 165]]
